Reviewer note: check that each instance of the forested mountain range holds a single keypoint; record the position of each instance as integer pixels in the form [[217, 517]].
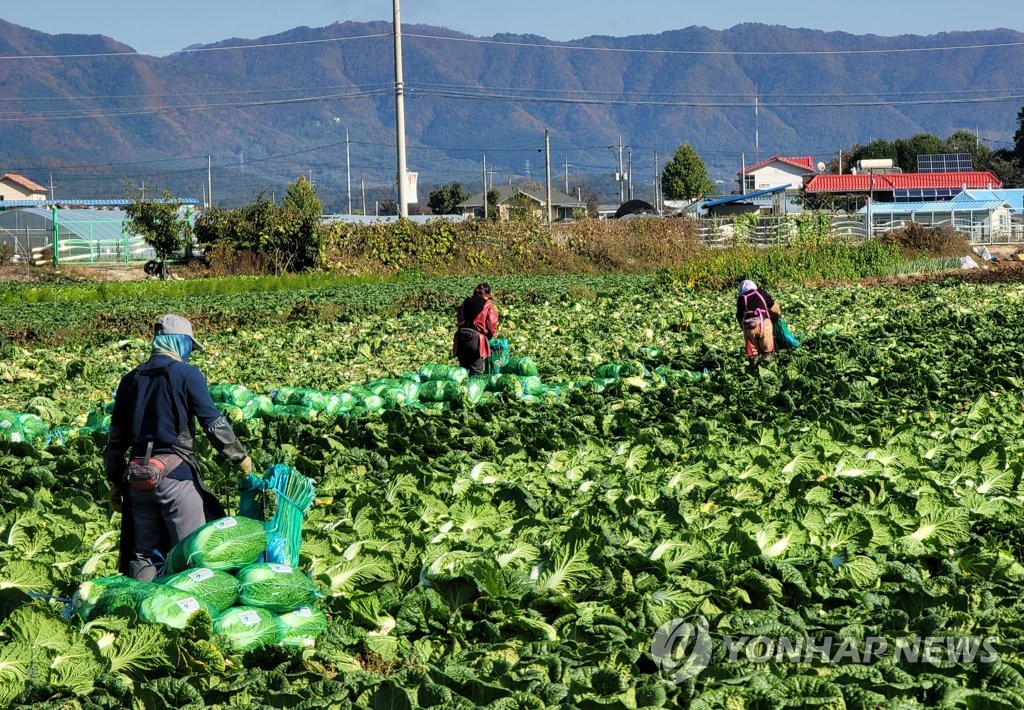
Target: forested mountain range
[[87, 111]]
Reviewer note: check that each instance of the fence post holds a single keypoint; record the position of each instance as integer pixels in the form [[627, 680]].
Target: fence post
[[56, 239]]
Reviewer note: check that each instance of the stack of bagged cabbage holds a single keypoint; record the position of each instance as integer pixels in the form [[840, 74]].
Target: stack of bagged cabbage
[[216, 570]]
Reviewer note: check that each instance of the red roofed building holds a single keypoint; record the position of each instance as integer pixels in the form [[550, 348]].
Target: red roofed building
[[777, 171], [16, 187], [904, 187]]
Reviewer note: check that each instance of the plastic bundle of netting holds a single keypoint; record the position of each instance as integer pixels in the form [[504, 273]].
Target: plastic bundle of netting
[[499, 356], [281, 496]]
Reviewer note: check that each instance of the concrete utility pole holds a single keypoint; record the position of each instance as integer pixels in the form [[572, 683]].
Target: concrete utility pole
[[362, 187], [403, 206], [657, 207], [348, 172], [567, 175], [618, 177], [485, 186], [547, 169], [629, 171], [209, 178]]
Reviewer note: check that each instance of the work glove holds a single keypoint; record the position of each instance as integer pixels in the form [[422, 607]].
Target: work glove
[[246, 466], [115, 499]]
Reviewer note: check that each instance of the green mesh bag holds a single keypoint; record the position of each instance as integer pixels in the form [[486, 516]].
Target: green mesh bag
[[522, 366], [340, 402], [435, 372], [532, 386], [300, 628], [247, 628], [169, 606], [476, 387], [217, 590], [507, 384], [107, 594], [236, 395], [225, 544], [615, 370], [440, 391], [284, 411], [276, 587]]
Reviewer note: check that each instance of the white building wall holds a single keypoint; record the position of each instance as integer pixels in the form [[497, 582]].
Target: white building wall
[[775, 174]]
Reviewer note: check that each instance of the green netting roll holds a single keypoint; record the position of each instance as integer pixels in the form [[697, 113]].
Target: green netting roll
[[237, 395], [248, 627], [225, 544], [440, 391], [433, 372], [499, 356], [523, 366]]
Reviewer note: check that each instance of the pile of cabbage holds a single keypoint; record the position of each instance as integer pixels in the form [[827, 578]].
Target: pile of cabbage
[[217, 570]]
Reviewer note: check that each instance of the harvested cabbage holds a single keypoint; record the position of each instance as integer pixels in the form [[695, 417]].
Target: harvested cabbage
[[225, 544], [301, 627], [247, 627], [169, 606], [275, 587], [215, 589]]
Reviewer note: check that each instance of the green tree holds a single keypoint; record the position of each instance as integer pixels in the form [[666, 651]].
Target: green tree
[[685, 176], [1018, 138], [493, 212], [446, 198], [301, 241], [161, 222]]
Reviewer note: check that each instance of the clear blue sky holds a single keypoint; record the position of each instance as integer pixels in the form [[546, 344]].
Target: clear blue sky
[[158, 27]]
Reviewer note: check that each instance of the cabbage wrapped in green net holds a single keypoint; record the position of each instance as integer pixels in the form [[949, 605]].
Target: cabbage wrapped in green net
[[300, 628], [506, 384], [453, 373], [615, 370], [283, 395], [236, 395], [522, 366], [284, 411], [225, 544], [107, 594], [338, 402], [440, 391], [276, 587], [248, 627], [169, 606], [264, 404], [532, 386], [476, 386], [217, 590], [667, 373]]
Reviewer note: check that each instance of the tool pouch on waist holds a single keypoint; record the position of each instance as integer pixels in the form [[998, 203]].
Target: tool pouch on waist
[[146, 473]]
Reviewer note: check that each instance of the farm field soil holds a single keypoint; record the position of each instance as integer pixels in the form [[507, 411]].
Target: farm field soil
[[658, 543]]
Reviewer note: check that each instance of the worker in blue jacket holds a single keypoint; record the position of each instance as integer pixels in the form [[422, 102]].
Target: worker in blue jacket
[[159, 491]]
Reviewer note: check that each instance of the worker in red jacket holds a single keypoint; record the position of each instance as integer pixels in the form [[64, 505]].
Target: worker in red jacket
[[477, 324]]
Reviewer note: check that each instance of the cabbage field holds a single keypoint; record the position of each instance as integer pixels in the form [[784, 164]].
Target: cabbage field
[[842, 529]]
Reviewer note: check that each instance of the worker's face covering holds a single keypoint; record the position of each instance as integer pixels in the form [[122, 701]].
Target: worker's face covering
[[178, 347]]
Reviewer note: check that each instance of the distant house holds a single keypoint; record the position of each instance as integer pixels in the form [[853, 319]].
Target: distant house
[[760, 202], [512, 198], [1015, 197], [775, 172], [903, 187], [17, 187]]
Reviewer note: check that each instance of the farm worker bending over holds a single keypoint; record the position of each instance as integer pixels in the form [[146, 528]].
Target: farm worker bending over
[[756, 311], [159, 492], [477, 324]]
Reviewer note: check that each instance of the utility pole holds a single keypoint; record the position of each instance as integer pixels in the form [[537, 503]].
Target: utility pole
[[657, 207], [51, 187], [629, 171], [362, 187], [840, 162], [209, 178], [618, 176], [348, 172], [743, 174], [547, 169], [485, 186], [567, 175], [403, 207]]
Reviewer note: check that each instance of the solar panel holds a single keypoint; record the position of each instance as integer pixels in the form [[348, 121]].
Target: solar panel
[[945, 163]]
